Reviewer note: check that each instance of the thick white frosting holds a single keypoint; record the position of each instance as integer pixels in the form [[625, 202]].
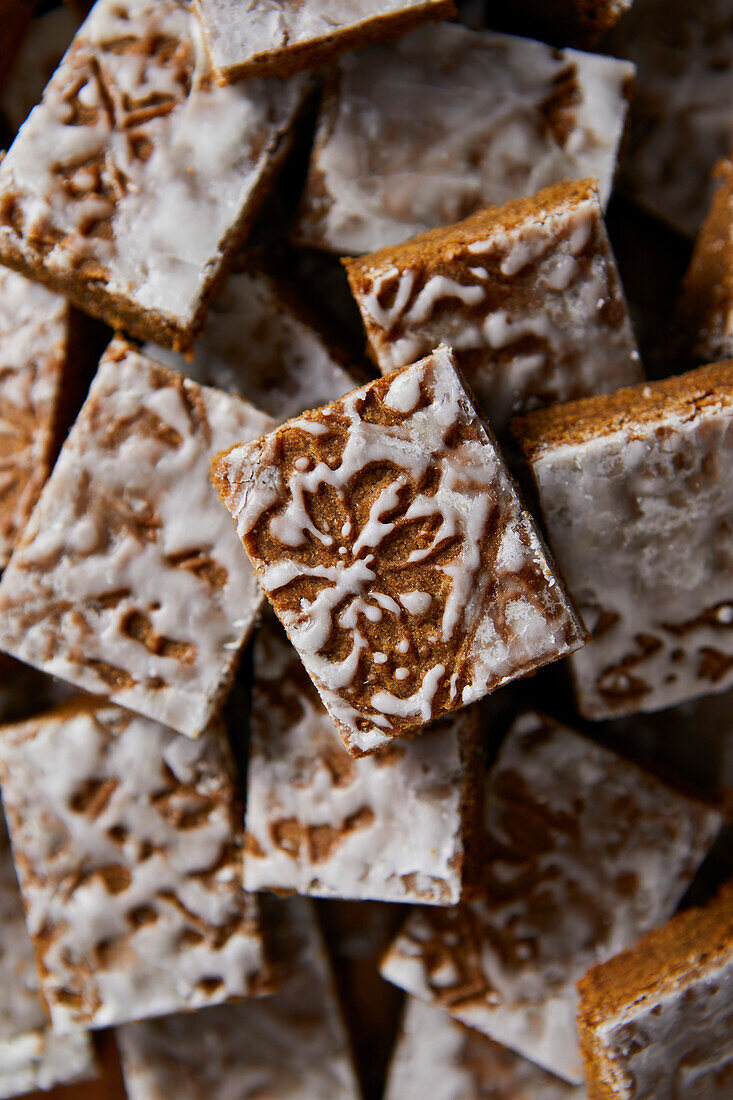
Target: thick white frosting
[[676, 1044], [680, 121], [587, 854], [319, 822], [254, 345], [424, 131], [437, 1057], [34, 334], [496, 608], [287, 1046], [31, 1057], [640, 519], [562, 331], [240, 32], [130, 866], [129, 563], [147, 194]]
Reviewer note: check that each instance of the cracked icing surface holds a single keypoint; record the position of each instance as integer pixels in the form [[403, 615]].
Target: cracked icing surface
[[386, 523], [586, 852], [289, 1045], [387, 827], [133, 171], [425, 131], [534, 311], [30, 1055], [127, 844], [129, 580], [256, 345], [244, 35], [641, 518], [680, 122], [34, 334], [437, 1057]]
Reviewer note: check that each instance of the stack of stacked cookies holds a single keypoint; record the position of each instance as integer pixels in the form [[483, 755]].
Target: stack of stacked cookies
[[366, 528]]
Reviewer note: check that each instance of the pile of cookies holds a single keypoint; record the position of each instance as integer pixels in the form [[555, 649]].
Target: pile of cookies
[[366, 525]]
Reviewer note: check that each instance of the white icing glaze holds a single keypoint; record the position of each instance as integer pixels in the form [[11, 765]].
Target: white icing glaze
[[254, 345], [424, 131], [460, 509], [680, 122], [564, 309], [129, 561], [30, 1055], [157, 189], [245, 32], [610, 852], [437, 1057], [319, 822], [640, 520], [34, 331], [130, 866], [292, 1044], [676, 1044]]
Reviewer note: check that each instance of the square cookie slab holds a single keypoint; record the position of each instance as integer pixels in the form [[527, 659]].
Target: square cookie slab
[[584, 853], [31, 1056], [437, 1057], [704, 320], [247, 38], [680, 119], [637, 498], [425, 131], [657, 1020], [395, 826], [291, 1044], [127, 841], [388, 536], [35, 339], [259, 344], [129, 581], [527, 294], [135, 179]]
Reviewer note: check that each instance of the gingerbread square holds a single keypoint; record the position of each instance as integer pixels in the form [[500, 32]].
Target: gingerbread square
[[394, 826], [135, 179], [638, 504], [425, 131], [390, 539], [129, 581], [293, 1043], [527, 294], [584, 852], [245, 38], [657, 1020], [127, 840]]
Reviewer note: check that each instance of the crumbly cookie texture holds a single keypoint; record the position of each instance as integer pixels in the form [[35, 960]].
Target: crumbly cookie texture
[[34, 349], [393, 826], [128, 580], [135, 178], [258, 344], [290, 1044], [657, 1020], [636, 494], [704, 323], [424, 132], [245, 38], [527, 294], [584, 853], [436, 1056], [388, 536], [679, 125], [127, 840], [31, 1056]]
